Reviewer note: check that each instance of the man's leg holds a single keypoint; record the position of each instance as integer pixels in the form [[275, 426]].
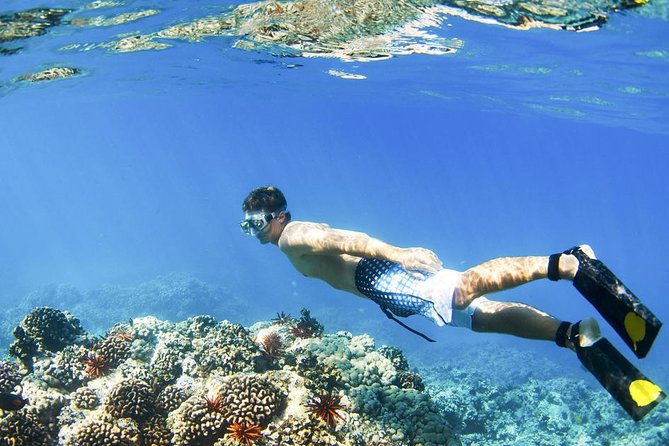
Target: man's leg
[[515, 319], [633, 390], [507, 272], [632, 320]]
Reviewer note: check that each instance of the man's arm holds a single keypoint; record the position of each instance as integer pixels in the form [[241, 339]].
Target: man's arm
[[303, 238]]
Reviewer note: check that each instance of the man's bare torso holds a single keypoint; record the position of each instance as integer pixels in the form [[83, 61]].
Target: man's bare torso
[[337, 270]]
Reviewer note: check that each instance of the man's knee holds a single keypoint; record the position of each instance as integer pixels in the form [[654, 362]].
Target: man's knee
[[462, 298], [467, 289]]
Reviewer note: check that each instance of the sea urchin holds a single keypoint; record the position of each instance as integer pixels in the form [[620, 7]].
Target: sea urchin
[[325, 407], [96, 365], [243, 433], [214, 402], [272, 345]]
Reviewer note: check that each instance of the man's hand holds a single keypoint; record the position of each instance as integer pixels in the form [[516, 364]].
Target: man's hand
[[419, 259]]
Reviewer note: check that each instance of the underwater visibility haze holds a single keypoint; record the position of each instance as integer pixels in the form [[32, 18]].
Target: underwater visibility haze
[[133, 130]]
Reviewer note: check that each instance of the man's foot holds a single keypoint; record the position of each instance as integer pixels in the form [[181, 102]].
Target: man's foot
[[567, 264], [588, 333]]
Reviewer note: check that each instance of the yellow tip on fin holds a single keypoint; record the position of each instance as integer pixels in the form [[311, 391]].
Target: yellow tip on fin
[[644, 392], [635, 327]]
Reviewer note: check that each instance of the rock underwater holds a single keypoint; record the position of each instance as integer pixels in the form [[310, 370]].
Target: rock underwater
[[205, 382]]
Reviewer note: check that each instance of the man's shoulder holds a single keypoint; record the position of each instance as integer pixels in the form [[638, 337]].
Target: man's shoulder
[[295, 232], [299, 226]]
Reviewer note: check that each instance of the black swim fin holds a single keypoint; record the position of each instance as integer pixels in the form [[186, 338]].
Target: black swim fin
[[631, 319], [632, 389]]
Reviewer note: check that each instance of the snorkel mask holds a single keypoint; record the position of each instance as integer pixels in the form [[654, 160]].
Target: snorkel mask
[[256, 222]]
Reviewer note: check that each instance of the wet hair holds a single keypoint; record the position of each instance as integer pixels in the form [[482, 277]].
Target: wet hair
[[265, 198]]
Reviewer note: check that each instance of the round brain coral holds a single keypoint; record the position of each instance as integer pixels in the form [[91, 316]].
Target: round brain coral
[[156, 433], [114, 349], [170, 398], [9, 376], [85, 398], [395, 356], [196, 422], [226, 347], [105, 433], [22, 428], [131, 398], [52, 329], [409, 380], [250, 399]]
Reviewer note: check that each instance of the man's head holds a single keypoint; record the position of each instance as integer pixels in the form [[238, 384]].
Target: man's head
[[265, 214]]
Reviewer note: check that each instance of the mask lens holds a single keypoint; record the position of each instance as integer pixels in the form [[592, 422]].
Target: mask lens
[[256, 224]]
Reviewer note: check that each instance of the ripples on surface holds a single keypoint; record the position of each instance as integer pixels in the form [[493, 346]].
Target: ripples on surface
[[46, 44]]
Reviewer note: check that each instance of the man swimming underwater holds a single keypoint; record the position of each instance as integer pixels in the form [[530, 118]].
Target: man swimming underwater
[[408, 281]]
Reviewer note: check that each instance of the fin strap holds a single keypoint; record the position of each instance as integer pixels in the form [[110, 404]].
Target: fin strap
[[390, 316], [554, 267], [561, 334], [575, 335]]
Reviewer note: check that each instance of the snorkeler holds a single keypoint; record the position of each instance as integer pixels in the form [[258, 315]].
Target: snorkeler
[[408, 281]]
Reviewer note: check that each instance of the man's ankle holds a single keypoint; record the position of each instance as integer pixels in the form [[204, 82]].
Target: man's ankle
[[568, 266]]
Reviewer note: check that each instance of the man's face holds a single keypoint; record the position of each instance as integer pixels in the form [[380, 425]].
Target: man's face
[[265, 226]]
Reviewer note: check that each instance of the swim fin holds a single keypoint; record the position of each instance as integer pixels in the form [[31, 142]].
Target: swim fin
[[627, 385], [631, 319]]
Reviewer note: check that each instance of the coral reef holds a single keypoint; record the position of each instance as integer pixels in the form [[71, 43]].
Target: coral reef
[[171, 297], [204, 382], [102, 433], [44, 329], [22, 428], [131, 398], [10, 377], [250, 399], [85, 398], [225, 347], [169, 399], [68, 369], [518, 404], [115, 348], [51, 329]]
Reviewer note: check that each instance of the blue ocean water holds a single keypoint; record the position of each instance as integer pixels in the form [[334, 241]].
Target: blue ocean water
[[518, 143]]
